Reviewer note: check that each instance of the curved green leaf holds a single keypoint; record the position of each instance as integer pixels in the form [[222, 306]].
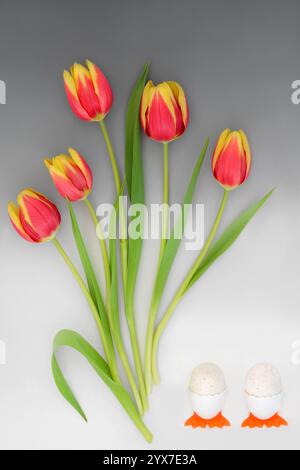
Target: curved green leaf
[[69, 338], [228, 238]]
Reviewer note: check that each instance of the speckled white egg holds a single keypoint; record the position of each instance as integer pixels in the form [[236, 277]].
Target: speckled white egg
[[263, 381], [264, 391], [207, 379]]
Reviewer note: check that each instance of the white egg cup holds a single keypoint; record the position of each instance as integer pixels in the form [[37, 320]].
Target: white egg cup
[[208, 406], [264, 408]]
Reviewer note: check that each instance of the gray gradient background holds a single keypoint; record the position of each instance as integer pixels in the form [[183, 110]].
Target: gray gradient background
[[237, 62]]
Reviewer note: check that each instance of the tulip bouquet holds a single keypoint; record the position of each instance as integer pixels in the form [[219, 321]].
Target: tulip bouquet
[[161, 111]]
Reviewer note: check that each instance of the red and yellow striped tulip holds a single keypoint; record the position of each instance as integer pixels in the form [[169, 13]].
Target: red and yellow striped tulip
[[231, 161], [164, 111], [88, 91], [35, 218], [71, 175]]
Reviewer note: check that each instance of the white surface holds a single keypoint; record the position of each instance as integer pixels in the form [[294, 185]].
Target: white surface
[[206, 326]]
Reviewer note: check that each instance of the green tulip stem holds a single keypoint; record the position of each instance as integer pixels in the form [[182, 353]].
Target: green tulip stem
[[123, 241], [182, 289], [164, 234], [103, 246], [165, 214], [83, 287], [112, 156], [137, 355]]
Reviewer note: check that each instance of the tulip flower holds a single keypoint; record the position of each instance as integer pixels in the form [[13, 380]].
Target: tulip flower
[[231, 161], [71, 175], [88, 91], [35, 218], [164, 111]]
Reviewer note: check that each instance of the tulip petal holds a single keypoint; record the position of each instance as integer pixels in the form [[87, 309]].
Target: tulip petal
[[219, 146], [56, 168], [63, 184], [165, 92], [36, 238], [14, 215], [85, 91], [247, 151], [69, 169], [60, 162], [146, 98], [75, 176], [181, 100], [174, 107], [39, 196], [83, 166], [73, 99], [161, 121], [101, 86], [66, 188]]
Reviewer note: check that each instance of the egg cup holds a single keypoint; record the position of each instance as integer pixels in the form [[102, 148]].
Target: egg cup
[[264, 412], [207, 411], [264, 395]]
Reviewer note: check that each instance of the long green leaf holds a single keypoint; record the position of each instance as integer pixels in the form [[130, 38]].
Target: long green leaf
[[93, 287], [174, 243], [88, 269], [69, 338], [134, 180], [228, 237], [132, 115]]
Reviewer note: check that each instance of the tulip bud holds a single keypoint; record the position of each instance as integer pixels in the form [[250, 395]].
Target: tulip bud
[[164, 111], [88, 92], [231, 161], [36, 219], [71, 175]]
